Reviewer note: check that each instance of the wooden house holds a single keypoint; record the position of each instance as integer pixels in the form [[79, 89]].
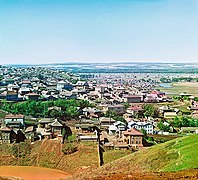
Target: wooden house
[[133, 137]]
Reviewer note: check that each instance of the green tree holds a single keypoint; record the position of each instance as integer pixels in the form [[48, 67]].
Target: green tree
[[143, 131], [126, 105], [185, 122], [149, 110], [110, 113], [163, 127], [119, 118]]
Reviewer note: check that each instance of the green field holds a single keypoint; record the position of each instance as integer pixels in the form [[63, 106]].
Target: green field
[[180, 87]]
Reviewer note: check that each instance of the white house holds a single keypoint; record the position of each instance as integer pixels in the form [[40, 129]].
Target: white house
[[64, 85], [14, 120], [148, 127], [117, 127]]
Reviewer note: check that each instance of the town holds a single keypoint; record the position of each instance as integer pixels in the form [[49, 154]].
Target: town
[[129, 110]]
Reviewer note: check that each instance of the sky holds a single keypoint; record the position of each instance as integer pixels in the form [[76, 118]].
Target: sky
[[58, 31]]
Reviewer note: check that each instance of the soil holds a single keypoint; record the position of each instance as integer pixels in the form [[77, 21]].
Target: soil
[[31, 173]]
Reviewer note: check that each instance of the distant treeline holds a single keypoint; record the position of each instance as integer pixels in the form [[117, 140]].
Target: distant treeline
[[131, 70], [175, 79]]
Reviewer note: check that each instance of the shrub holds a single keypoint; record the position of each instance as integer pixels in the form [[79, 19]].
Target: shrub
[[69, 148]]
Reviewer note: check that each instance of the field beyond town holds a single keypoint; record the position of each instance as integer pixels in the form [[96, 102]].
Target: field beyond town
[[180, 87]]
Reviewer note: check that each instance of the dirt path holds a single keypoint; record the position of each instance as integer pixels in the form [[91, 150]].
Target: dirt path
[[32, 173]]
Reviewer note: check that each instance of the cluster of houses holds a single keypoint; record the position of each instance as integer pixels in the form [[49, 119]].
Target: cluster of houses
[[36, 83], [109, 94], [115, 133], [39, 83], [13, 128]]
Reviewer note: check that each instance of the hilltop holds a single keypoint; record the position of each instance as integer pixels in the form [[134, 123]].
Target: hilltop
[[175, 155]]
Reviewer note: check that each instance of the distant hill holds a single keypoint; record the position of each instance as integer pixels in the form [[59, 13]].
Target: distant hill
[[175, 155]]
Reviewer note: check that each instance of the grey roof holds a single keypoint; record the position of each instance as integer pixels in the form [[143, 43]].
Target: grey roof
[[56, 124], [46, 120], [29, 129]]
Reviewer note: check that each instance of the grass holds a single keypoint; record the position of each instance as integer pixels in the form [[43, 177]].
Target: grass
[[184, 109], [187, 154], [112, 155], [175, 155], [177, 88]]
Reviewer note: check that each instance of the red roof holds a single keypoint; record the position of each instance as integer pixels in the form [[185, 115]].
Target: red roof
[[194, 108], [133, 132], [136, 108], [5, 129], [157, 92], [26, 82]]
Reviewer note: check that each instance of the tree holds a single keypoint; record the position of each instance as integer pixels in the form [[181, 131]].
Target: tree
[[177, 122], [185, 122], [163, 127], [40, 108], [54, 113], [126, 105], [110, 113], [149, 110], [143, 131], [119, 118]]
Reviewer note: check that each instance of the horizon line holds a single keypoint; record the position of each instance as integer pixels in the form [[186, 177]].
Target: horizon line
[[126, 62]]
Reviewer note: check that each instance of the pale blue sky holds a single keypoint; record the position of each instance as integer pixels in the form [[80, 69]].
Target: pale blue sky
[[49, 31]]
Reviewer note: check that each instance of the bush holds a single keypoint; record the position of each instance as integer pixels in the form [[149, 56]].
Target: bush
[[70, 148], [72, 138], [21, 150], [150, 139]]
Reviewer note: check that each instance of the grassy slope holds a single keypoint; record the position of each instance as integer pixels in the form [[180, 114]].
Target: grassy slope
[[174, 155]]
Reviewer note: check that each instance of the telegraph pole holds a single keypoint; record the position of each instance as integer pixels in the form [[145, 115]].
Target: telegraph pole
[[100, 149]]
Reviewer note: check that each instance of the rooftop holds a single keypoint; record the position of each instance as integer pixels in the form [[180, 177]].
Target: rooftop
[[133, 132]]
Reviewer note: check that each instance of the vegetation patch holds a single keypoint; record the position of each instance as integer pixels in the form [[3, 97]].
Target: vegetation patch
[[69, 148]]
